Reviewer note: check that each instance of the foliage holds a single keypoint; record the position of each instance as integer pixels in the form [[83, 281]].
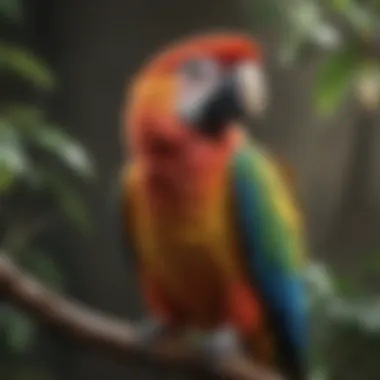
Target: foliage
[[37, 159], [346, 324], [343, 37], [345, 32]]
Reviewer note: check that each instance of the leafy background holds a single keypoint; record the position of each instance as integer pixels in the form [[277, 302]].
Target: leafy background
[[44, 171], [37, 158]]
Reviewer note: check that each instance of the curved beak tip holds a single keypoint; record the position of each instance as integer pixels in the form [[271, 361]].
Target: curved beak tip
[[242, 94], [252, 90]]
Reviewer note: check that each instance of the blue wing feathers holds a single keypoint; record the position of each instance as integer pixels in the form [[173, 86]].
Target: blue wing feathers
[[272, 250]]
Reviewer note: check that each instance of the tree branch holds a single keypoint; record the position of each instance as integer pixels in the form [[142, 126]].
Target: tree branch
[[111, 335]]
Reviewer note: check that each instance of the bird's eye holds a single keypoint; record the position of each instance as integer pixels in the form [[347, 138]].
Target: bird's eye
[[201, 70]]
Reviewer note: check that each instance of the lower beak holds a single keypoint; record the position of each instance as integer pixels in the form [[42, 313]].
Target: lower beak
[[240, 96]]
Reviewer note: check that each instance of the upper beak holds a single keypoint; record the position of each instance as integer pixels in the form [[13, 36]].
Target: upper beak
[[238, 96]]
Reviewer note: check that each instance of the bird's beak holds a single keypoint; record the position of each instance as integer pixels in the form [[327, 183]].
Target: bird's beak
[[238, 96]]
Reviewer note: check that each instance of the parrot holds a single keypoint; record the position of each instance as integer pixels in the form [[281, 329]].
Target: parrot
[[207, 216]]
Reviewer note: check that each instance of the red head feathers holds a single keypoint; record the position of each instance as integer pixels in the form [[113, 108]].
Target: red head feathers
[[155, 91], [225, 47]]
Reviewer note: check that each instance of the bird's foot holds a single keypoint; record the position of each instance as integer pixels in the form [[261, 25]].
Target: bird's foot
[[221, 345], [150, 331]]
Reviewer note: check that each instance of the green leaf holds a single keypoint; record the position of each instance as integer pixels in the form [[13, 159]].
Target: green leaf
[[319, 373], [335, 79], [19, 330], [69, 201], [27, 65], [41, 265], [12, 10], [320, 281], [14, 161], [369, 317], [362, 312], [364, 21], [341, 5], [306, 31], [291, 48], [370, 263], [31, 121], [347, 286], [326, 36], [7, 179], [63, 146], [22, 115]]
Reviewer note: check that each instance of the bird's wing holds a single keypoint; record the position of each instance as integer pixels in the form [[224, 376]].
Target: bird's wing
[[271, 228]]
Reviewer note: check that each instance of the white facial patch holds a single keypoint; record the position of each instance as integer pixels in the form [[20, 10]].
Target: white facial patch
[[253, 88], [199, 79], [193, 99]]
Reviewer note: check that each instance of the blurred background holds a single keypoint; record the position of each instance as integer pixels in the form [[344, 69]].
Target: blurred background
[[64, 67]]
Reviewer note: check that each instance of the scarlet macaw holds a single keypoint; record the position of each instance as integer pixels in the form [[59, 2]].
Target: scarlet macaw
[[210, 221]]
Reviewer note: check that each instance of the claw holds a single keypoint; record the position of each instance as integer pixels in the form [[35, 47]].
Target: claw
[[221, 345], [149, 331]]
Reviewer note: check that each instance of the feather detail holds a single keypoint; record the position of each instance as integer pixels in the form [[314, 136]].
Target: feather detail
[[272, 232]]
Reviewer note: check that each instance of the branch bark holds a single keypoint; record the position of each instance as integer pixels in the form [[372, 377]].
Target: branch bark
[[94, 329]]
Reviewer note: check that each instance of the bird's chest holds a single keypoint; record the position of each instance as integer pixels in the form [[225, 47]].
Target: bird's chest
[[193, 255]]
